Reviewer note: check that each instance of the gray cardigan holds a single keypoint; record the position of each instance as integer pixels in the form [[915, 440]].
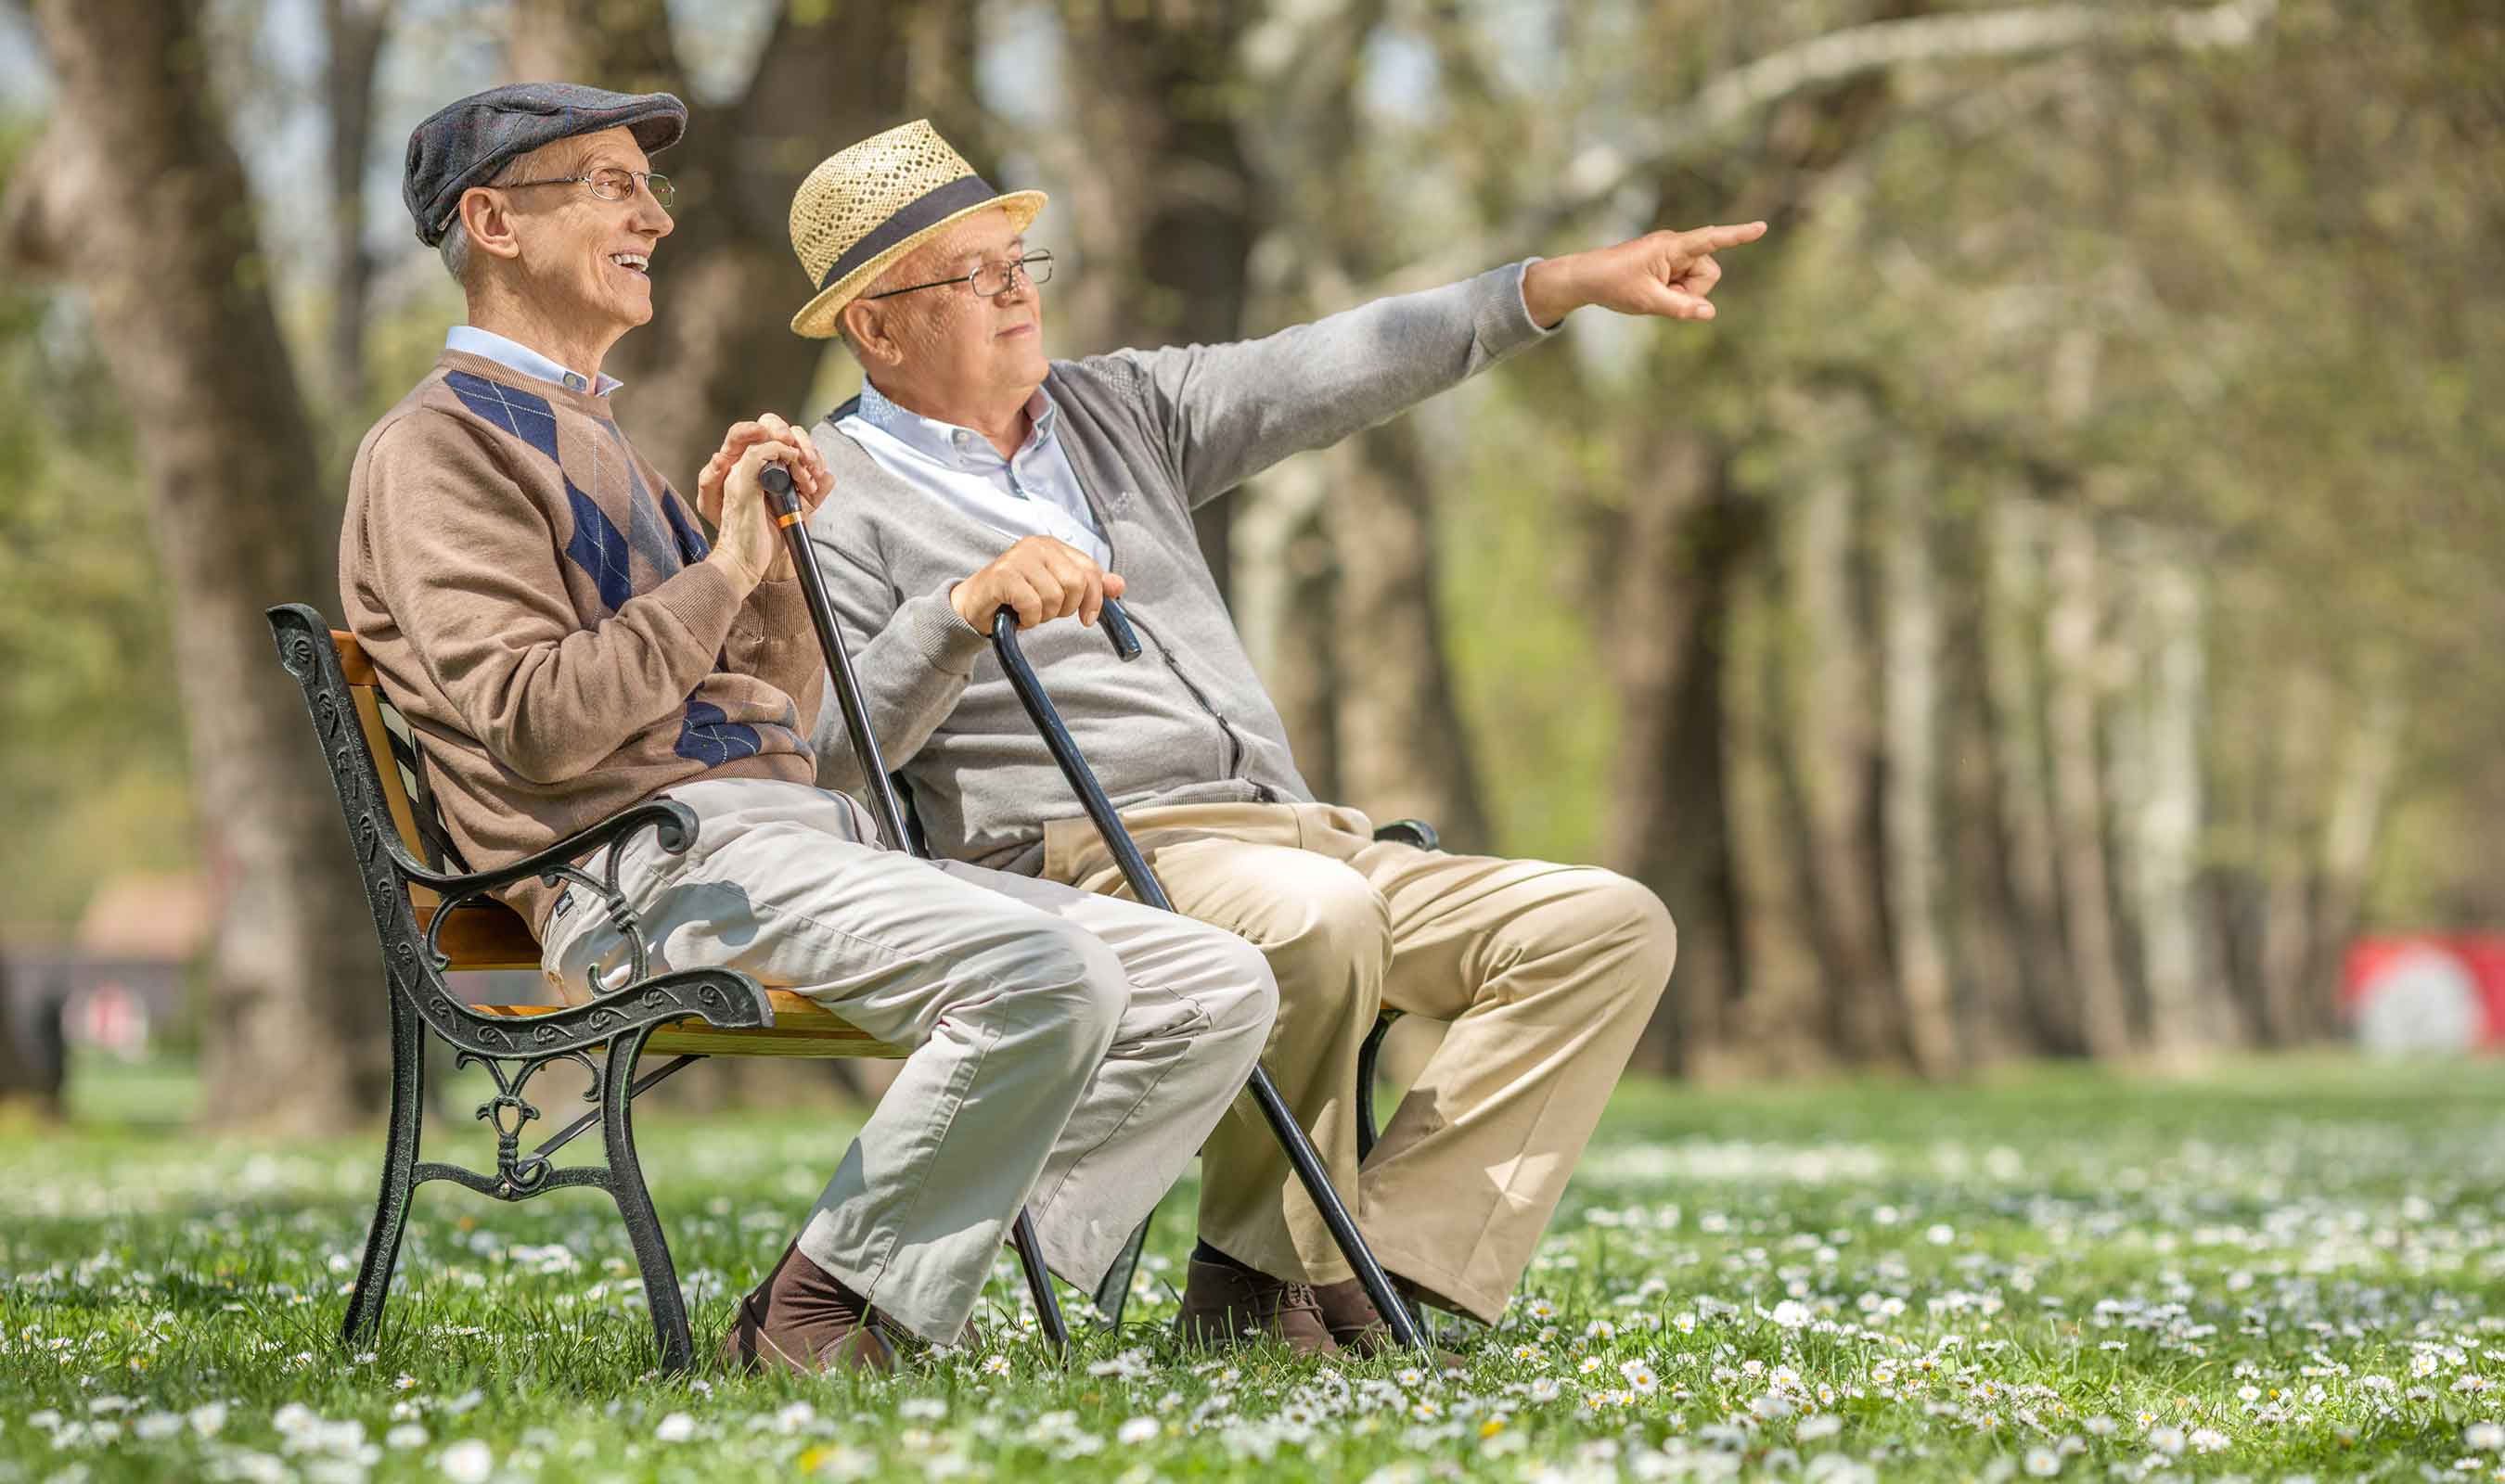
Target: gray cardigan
[[1152, 435]]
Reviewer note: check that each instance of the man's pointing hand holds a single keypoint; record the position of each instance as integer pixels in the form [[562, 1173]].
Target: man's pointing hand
[[1669, 274]]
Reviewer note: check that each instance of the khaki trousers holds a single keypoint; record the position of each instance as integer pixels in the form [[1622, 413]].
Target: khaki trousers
[[1069, 1050], [1545, 974]]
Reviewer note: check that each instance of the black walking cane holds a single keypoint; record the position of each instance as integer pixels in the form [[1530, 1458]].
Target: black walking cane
[[1144, 886], [776, 482]]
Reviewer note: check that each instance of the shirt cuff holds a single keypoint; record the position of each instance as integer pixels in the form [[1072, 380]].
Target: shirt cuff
[[1502, 316], [1522, 296]]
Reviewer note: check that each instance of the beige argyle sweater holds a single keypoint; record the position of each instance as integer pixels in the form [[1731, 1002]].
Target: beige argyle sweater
[[533, 596]]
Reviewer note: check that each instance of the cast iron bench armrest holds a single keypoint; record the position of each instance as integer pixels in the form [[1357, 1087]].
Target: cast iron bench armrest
[[721, 997], [673, 823]]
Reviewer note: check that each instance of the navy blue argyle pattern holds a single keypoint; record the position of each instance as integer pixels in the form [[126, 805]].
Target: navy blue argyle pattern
[[659, 538]]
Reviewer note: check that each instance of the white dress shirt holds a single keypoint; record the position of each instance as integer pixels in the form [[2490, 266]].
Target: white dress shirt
[[1034, 492], [515, 356]]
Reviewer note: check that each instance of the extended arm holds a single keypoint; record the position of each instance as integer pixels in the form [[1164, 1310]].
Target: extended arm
[[1226, 412]]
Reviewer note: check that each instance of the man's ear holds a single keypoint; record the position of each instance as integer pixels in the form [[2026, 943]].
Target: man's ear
[[489, 224], [867, 328]]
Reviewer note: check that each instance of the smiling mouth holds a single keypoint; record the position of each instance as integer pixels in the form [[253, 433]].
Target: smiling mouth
[[638, 264]]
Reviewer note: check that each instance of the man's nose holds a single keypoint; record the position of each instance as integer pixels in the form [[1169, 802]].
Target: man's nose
[[650, 215]]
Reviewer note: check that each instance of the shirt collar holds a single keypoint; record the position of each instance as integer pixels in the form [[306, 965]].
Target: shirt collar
[[946, 442], [515, 356]]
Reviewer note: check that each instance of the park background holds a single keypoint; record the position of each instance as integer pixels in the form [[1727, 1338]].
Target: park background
[[2051, 613], [2041, 623]]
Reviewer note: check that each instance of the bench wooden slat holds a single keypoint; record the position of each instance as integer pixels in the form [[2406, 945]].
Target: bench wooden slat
[[802, 1027], [483, 935], [489, 935]]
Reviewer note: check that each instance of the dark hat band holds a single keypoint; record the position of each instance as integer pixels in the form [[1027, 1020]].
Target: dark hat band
[[928, 209]]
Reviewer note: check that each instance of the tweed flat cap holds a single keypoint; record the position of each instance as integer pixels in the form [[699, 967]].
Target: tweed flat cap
[[464, 144]]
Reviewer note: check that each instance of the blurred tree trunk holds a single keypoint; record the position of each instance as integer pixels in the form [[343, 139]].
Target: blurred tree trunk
[[145, 205], [24, 1088], [2294, 786], [1777, 1026], [1831, 751], [1998, 1023], [2167, 818], [2360, 795], [2012, 651], [1158, 189], [355, 30], [1669, 558], [1303, 669], [1403, 750], [2070, 639], [1910, 802]]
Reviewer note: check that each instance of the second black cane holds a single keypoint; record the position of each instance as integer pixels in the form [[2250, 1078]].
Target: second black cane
[[1301, 1155]]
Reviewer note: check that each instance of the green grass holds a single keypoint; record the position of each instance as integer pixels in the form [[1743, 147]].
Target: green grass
[[2283, 1268]]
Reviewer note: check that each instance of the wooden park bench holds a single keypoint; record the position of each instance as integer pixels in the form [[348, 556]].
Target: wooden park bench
[[433, 916]]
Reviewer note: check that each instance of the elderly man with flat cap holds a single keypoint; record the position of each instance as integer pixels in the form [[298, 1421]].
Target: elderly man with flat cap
[[540, 602], [974, 472]]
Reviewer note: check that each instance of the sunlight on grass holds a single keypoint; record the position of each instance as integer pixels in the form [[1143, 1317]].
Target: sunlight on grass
[[2285, 1268]]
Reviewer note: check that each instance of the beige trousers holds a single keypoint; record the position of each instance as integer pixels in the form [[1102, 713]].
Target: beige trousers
[[1069, 1050], [1546, 975]]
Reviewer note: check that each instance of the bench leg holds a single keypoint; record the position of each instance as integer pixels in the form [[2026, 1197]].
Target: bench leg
[[400, 1176], [662, 1298], [1039, 1283], [1369, 1132], [1113, 1294]]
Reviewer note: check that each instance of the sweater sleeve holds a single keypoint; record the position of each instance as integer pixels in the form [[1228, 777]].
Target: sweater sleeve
[[913, 665], [773, 640], [1227, 412], [465, 560]]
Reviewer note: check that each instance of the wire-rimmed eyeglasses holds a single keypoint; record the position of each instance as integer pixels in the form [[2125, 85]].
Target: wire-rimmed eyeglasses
[[609, 183], [989, 281]]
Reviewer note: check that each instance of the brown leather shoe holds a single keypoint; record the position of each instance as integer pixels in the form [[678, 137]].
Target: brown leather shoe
[[804, 1320], [1224, 1306], [1360, 1328]]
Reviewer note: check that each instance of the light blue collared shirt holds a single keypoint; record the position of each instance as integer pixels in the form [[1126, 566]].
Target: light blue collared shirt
[[1035, 492], [514, 355]]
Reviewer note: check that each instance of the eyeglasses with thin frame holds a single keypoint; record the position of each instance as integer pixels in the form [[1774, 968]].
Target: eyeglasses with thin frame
[[609, 183], [990, 280]]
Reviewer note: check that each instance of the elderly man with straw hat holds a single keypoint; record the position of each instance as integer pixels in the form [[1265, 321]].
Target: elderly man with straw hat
[[565, 643], [974, 472]]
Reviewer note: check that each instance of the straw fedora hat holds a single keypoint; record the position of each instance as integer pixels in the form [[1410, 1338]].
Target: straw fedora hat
[[865, 207]]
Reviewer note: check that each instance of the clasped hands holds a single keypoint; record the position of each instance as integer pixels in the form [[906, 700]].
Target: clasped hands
[[745, 540]]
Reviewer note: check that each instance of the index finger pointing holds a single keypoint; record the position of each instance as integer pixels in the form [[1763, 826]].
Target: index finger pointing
[[1712, 239]]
